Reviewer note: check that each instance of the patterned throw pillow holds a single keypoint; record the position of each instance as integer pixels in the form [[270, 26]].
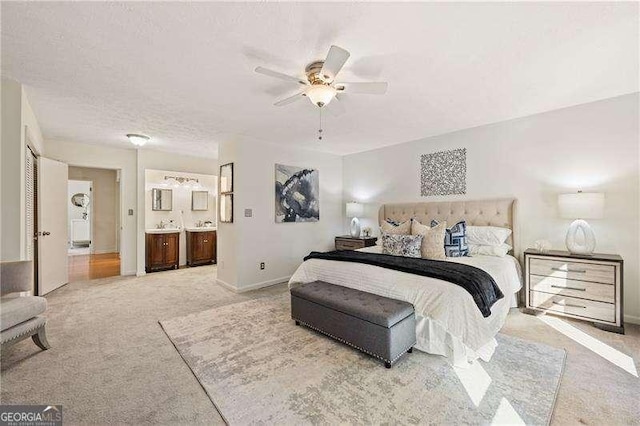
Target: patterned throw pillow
[[402, 245], [392, 222], [455, 239]]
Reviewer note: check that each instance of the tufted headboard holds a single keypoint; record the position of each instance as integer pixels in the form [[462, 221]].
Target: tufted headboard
[[476, 213]]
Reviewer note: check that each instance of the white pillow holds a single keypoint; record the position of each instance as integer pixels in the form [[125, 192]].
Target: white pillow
[[480, 250], [487, 235]]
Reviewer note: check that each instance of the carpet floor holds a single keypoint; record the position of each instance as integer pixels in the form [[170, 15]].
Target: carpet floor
[[111, 363], [259, 368]]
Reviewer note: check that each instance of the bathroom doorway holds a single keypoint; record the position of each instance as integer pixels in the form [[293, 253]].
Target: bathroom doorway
[[79, 226]]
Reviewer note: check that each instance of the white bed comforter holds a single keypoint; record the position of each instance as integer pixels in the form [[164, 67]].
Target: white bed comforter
[[448, 322]]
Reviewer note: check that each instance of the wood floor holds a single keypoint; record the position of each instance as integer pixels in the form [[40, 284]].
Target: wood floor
[[91, 266]]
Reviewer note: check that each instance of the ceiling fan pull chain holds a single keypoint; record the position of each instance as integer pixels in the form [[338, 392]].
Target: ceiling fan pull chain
[[320, 129]]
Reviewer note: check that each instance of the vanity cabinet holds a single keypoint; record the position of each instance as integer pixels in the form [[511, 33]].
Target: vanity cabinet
[[201, 248], [162, 251]]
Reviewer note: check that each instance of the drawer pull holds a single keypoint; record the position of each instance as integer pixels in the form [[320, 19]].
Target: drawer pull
[[568, 287], [206, 241], [570, 305], [579, 271]]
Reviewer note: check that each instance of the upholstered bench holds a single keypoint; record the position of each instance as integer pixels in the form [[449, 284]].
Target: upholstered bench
[[382, 327]]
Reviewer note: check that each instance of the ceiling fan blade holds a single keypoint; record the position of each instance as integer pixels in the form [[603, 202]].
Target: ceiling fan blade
[[377, 88], [279, 75], [290, 99], [336, 58], [335, 107]]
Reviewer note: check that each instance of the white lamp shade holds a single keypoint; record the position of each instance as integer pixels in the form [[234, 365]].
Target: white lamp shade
[[581, 205], [320, 95], [354, 209]]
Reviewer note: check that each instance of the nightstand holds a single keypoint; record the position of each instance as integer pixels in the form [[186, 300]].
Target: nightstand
[[576, 286], [347, 242]]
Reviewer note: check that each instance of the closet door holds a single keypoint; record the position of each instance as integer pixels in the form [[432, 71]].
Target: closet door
[[52, 214]]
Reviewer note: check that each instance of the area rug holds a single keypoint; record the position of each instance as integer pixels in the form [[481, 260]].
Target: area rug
[[259, 368]]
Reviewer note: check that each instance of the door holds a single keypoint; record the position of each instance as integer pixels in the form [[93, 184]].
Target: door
[[52, 216], [199, 250], [171, 249], [155, 250]]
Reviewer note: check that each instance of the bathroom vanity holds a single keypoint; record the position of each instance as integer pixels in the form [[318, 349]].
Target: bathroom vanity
[[162, 249], [201, 246]]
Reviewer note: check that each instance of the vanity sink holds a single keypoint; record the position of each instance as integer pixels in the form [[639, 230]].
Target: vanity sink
[[201, 229], [162, 231]]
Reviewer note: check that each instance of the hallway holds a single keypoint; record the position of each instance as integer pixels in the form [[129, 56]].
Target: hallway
[[91, 266]]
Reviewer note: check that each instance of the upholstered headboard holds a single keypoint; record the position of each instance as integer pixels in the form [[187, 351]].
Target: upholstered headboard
[[476, 213]]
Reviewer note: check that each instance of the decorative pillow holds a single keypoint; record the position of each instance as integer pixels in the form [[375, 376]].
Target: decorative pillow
[[392, 222], [498, 251], [401, 245], [487, 235], [455, 241], [432, 247], [402, 229]]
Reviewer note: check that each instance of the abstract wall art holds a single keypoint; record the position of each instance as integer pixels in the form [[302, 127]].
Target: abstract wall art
[[297, 194], [444, 173]]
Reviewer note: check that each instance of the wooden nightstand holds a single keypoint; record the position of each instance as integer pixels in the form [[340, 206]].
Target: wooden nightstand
[[576, 286], [347, 242]]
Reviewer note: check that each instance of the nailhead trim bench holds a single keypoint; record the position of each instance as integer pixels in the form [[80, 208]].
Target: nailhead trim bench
[[379, 326]]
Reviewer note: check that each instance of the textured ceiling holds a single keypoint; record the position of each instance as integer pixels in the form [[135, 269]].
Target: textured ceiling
[[183, 72]]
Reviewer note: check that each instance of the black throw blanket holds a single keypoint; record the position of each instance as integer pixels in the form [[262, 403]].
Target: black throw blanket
[[480, 285]]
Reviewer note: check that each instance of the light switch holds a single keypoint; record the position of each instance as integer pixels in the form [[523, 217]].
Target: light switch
[[130, 212], [248, 213]]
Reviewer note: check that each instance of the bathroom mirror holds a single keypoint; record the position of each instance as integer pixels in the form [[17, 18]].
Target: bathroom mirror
[[199, 200], [161, 199], [80, 199]]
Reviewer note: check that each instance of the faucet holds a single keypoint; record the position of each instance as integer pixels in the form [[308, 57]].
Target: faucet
[[199, 224], [162, 224]]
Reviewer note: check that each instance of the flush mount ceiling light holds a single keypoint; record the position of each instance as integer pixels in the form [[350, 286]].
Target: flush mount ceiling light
[[137, 140]]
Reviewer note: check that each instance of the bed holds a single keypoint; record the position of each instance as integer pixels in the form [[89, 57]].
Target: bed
[[448, 322]]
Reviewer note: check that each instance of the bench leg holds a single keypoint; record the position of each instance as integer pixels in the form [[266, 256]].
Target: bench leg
[[387, 365], [40, 339], [297, 322], [410, 351]]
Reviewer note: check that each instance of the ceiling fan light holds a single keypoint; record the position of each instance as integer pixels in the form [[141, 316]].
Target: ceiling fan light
[[137, 140], [320, 94]]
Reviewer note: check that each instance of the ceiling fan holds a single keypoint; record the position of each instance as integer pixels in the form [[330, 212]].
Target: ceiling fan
[[320, 85]]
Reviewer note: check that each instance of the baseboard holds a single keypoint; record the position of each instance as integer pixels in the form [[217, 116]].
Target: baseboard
[[251, 287], [104, 251], [631, 319], [128, 273]]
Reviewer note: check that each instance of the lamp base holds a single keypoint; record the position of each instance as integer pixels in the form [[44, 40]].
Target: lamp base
[[355, 228], [573, 245]]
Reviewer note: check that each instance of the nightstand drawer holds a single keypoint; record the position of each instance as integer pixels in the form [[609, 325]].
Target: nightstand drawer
[[573, 288], [574, 306], [349, 244], [594, 272]]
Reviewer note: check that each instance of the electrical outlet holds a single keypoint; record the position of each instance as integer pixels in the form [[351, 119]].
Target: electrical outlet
[[261, 265]]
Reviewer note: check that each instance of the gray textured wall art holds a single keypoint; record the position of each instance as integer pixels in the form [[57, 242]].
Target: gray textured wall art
[[444, 172], [297, 194]]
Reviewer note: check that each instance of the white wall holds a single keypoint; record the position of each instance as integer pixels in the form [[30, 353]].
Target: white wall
[[181, 213], [593, 147], [248, 241], [84, 155]]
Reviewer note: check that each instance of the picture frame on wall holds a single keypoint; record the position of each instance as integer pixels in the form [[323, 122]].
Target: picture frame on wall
[[226, 208], [226, 178], [225, 190]]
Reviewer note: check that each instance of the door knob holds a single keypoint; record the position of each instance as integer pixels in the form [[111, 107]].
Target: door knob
[[45, 233]]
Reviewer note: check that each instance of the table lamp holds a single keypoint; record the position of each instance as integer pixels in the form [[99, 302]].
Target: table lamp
[[580, 206], [354, 210]]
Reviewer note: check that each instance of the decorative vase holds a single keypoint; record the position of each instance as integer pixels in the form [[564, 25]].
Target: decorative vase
[[589, 238]]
